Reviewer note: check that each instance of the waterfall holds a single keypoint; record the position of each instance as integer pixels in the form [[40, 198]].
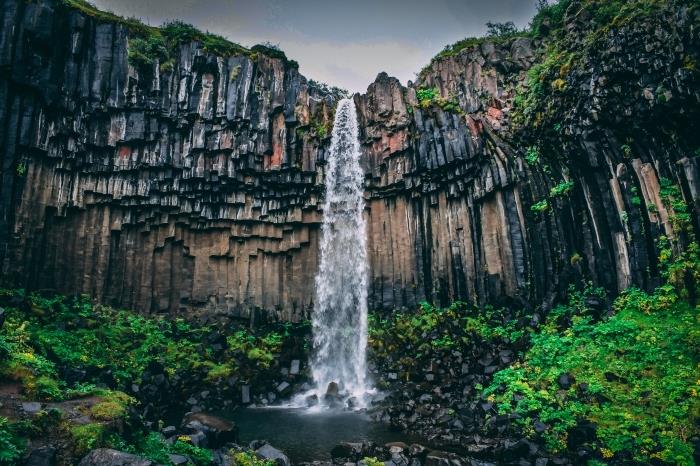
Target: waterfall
[[340, 314]]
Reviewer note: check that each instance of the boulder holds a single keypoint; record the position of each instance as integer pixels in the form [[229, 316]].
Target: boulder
[[281, 388], [108, 457], [347, 450], [333, 390], [269, 452], [31, 407], [218, 431]]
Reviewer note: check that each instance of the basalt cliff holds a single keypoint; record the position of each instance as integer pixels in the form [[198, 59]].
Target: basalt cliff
[[505, 172]]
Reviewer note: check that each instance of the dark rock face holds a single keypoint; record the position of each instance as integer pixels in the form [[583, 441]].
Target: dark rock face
[[198, 192]]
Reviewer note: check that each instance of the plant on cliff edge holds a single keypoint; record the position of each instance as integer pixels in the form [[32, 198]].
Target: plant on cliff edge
[[562, 189], [540, 207]]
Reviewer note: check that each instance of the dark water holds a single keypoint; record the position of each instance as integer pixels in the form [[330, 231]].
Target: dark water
[[308, 436]]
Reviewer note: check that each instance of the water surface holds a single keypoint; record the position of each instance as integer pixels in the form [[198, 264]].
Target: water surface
[[307, 436]]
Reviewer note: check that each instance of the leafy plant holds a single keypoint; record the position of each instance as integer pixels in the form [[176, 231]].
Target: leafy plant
[[372, 461], [540, 206], [562, 189], [249, 458], [12, 446], [532, 156], [21, 169]]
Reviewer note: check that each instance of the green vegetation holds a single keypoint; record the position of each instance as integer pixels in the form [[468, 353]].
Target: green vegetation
[[87, 437], [11, 444], [532, 156], [249, 458], [259, 350], [430, 329], [429, 96], [372, 461], [55, 331], [562, 189], [321, 129], [540, 206], [562, 53]]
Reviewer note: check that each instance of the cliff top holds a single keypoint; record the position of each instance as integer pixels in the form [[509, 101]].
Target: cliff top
[[149, 44]]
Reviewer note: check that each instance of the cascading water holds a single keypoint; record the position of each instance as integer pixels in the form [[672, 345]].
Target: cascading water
[[340, 315]]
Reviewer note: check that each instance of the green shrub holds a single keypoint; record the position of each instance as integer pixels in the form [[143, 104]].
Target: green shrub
[[426, 96], [249, 458], [372, 461], [145, 51]]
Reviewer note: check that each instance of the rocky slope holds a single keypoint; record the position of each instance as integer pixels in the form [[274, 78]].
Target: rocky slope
[[198, 191]]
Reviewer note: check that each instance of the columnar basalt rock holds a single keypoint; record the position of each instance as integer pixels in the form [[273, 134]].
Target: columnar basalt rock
[[196, 189]]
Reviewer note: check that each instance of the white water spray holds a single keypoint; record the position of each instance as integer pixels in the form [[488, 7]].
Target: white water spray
[[340, 315]]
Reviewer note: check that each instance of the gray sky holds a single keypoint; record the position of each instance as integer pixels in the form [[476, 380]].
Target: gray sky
[[343, 43]]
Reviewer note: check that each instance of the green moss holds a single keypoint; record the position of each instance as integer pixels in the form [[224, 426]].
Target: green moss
[[112, 406], [429, 96], [219, 372], [429, 329], [134, 25], [86, 437]]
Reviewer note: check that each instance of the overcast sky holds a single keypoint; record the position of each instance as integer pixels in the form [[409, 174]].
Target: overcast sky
[[343, 43]]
